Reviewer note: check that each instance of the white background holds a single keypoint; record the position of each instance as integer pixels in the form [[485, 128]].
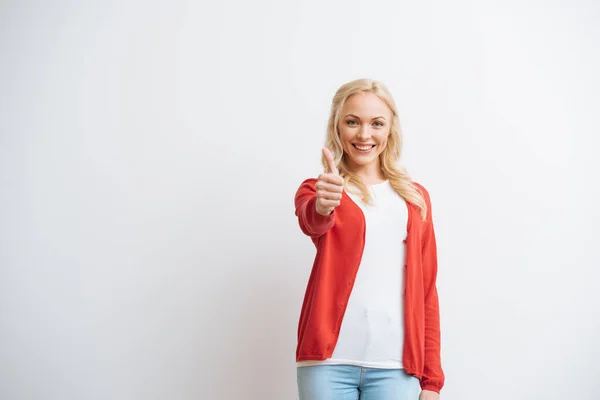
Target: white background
[[150, 151]]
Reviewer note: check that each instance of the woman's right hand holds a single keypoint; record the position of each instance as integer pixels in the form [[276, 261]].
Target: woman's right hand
[[329, 187]]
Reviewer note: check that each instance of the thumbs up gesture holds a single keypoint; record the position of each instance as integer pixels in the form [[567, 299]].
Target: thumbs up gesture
[[329, 187]]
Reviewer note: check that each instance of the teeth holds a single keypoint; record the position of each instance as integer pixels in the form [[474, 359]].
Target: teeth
[[364, 147]]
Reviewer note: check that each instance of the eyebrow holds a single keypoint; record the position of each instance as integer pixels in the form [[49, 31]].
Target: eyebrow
[[352, 115]]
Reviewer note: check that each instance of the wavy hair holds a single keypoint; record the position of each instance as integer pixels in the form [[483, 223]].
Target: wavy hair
[[397, 176]]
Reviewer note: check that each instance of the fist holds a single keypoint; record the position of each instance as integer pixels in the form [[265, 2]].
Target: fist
[[329, 187]]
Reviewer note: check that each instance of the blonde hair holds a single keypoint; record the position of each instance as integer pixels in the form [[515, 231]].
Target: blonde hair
[[397, 176]]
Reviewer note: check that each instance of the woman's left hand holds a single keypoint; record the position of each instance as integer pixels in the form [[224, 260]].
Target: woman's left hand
[[429, 395]]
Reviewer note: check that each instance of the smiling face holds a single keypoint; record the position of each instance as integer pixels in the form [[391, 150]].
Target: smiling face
[[364, 127]]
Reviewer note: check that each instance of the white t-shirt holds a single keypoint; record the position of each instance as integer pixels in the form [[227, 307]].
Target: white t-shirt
[[372, 331]]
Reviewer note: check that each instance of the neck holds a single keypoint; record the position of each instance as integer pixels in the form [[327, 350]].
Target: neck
[[370, 174]]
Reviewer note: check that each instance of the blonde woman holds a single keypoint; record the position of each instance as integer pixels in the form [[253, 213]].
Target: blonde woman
[[369, 327]]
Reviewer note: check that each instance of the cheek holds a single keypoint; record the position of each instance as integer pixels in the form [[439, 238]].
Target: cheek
[[383, 138], [345, 136]]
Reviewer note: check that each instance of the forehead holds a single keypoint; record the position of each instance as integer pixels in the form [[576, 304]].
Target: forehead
[[365, 104]]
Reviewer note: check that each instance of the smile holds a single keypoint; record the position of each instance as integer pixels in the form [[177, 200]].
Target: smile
[[364, 148]]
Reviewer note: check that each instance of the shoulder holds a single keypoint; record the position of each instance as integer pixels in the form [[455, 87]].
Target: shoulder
[[426, 197], [422, 190]]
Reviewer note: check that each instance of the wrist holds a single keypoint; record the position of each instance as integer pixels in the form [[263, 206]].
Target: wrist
[[321, 212]]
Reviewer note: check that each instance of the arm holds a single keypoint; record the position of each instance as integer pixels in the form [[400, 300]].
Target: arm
[[433, 375], [311, 222]]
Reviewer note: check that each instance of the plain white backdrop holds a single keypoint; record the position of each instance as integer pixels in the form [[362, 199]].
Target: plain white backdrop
[[150, 152]]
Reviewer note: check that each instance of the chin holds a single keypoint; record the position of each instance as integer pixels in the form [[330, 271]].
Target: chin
[[363, 161]]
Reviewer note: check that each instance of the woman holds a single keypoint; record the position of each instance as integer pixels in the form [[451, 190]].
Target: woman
[[369, 325]]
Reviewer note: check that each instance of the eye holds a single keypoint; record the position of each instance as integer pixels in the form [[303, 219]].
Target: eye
[[351, 122], [378, 124]]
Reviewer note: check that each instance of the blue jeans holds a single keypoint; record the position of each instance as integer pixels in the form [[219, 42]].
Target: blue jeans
[[349, 382]]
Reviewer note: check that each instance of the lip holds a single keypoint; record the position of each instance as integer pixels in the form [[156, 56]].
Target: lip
[[364, 145]]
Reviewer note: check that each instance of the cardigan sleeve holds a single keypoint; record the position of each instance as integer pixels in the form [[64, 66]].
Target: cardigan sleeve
[[433, 376], [311, 222]]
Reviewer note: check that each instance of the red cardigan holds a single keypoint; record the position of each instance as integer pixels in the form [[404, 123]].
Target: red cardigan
[[340, 239]]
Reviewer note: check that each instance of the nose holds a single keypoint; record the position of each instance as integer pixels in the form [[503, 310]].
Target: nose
[[365, 132]]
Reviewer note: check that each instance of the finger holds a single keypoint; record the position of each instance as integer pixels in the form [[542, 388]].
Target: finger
[[330, 162], [328, 187], [329, 203], [328, 195], [332, 178]]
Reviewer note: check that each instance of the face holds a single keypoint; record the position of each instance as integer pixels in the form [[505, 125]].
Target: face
[[364, 127]]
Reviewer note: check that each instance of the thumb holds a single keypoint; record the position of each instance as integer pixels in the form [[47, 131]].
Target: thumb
[[331, 164]]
